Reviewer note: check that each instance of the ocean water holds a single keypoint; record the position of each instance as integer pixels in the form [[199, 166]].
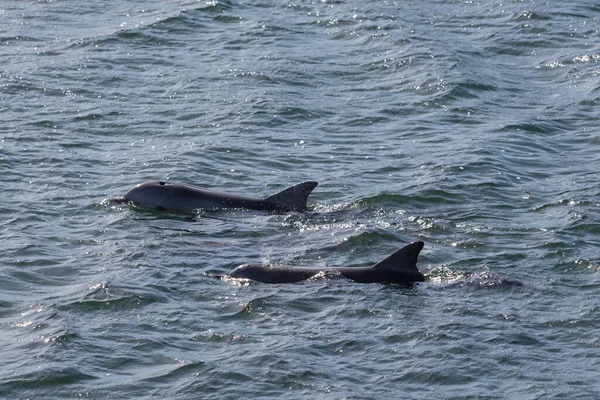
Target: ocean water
[[473, 126]]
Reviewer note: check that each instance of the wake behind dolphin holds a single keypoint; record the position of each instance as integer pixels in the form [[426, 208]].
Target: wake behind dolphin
[[174, 196], [400, 267]]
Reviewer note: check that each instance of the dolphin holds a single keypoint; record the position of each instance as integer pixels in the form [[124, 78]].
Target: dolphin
[[400, 267], [174, 196]]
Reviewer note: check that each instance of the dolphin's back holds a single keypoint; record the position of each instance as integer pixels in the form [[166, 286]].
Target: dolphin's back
[[180, 197], [265, 274]]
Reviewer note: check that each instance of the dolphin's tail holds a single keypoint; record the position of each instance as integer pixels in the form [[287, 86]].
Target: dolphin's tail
[[293, 198], [404, 260]]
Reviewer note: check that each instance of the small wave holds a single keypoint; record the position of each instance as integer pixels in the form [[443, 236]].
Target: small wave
[[545, 127], [46, 378], [183, 369], [61, 338], [528, 15], [150, 27], [9, 39], [568, 202], [104, 296], [214, 6], [122, 303], [582, 265], [253, 75], [446, 278], [214, 337], [257, 307], [113, 202], [469, 90], [426, 197], [366, 239]]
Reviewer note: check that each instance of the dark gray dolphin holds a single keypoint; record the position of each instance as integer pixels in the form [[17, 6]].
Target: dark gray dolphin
[[180, 197], [400, 267]]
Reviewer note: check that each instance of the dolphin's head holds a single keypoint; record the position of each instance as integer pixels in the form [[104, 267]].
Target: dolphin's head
[[247, 271], [151, 194]]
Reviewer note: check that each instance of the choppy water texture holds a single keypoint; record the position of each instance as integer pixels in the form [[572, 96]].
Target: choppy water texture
[[470, 125]]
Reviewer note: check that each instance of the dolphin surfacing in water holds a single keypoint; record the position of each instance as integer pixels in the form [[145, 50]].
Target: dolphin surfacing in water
[[400, 267], [174, 196]]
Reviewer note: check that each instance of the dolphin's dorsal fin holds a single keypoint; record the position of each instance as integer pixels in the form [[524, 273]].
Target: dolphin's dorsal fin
[[293, 198], [404, 259]]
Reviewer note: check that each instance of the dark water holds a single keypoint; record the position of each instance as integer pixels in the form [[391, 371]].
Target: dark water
[[473, 126]]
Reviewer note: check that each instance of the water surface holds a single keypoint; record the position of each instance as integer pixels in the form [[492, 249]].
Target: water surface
[[472, 126]]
